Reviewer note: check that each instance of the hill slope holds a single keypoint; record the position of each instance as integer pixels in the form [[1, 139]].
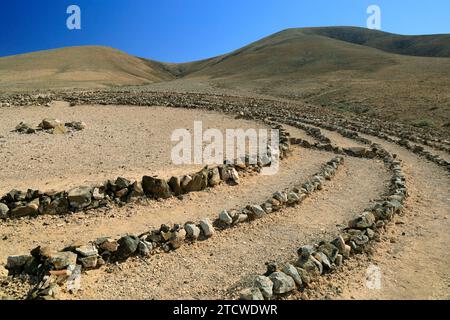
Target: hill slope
[[437, 45], [89, 66], [302, 64]]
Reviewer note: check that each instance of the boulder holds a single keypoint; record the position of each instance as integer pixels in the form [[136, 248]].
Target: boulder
[[185, 182], [365, 220], [339, 243], [304, 275], [175, 185], [356, 151], [4, 211], [48, 124], [207, 227], [282, 283], [280, 196], [156, 187], [225, 218], [60, 129], [199, 181], [127, 246], [57, 206], [108, 244], [293, 198], [87, 250], [122, 183], [256, 211], [145, 248], [265, 285], [177, 238], [76, 125], [80, 197], [97, 194], [89, 262], [323, 259], [193, 232], [214, 177], [251, 294], [30, 209], [25, 128], [291, 271], [61, 260], [329, 250], [306, 251], [136, 191], [16, 263], [229, 174], [311, 265]]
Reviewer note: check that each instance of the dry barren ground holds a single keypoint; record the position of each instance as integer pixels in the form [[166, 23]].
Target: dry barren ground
[[132, 141], [120, 141]]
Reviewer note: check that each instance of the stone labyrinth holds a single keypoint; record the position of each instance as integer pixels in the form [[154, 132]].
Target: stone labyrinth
[[348, 184]]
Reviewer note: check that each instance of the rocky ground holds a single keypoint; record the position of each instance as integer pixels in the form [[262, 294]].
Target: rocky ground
[[411, 252]]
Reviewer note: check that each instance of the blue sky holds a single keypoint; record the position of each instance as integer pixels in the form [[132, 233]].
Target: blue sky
[[186, 30]]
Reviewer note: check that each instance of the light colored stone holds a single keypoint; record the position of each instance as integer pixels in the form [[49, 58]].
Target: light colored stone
[[109, 245], [47, 124], [293, 198], [207, 227], [4, 210], [365, 220], [61, 260], [80, 197], [225, 217], [257, 211], [89, 262], [193, 232], [87, 250], [251, 294], [291, 271], [265, 285]]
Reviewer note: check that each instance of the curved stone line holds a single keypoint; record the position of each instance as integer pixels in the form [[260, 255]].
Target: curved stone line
[[403, 143], [317, 259], [17, 204], [51, 265]]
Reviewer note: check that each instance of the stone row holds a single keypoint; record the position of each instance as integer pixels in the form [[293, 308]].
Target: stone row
[[17, 204], [56, 267], [284, 278], [419, 150]]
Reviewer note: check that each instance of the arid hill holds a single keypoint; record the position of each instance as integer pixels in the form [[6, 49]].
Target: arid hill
[[347, 69], [78, 67]]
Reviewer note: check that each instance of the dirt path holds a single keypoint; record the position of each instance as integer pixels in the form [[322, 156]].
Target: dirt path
[[413, 256], [206, 270], [338, 140], [23, 235]]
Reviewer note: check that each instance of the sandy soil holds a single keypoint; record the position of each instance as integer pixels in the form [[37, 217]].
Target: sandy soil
[[118, 141], [412, 255]]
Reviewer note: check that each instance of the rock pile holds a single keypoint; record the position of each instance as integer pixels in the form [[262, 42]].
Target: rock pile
[[53, 126]]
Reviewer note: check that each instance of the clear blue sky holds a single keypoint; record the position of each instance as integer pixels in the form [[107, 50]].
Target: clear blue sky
[[186, 30]]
